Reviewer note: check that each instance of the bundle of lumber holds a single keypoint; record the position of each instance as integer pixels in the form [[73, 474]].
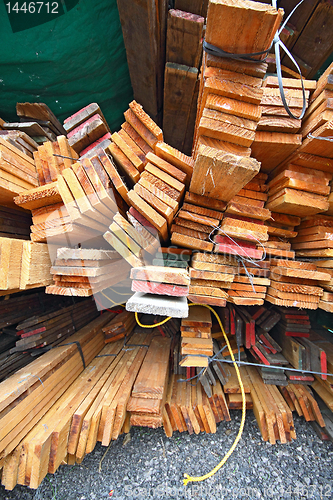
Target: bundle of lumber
[[181, 84], [43, 332], [20, 140], [196, 339], [158, 280], [29, 395], [131, 239], [119, 327], [156, 196], [78, 206], [300, 399], [14, 223], [314, 235], [298, 191], [272, 413], [30, 304], [295, 284], [281, 228], [172, 257], [211, 278], [102, 385], [82, 272], [277, 135], [229, 97], [159, 290], [39, 113], [197, 220], [146, 404], [320, 109], [23, 265], [189, 409], [86, 129], [52, 158], [17, 172]]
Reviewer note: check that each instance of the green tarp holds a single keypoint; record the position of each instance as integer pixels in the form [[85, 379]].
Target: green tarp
[[67, 54]]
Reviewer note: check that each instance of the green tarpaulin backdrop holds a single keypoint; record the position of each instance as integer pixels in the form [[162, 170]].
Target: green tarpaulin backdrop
[[68, 54]]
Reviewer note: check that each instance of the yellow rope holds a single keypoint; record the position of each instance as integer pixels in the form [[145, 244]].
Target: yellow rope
[[241, 427], [151, 326], [114, 303]]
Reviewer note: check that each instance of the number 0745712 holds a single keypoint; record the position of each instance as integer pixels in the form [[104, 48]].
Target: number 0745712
[[33, 7]]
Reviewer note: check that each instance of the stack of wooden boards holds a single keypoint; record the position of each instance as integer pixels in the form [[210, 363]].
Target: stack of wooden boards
[[84, 271], [51, 328], [20, 140], [295, 284], [197, 220], [196, 340], [36, 400], [211, 277], [77, 206], [86, 129], [300, 191], [14, 310], [277, 136], [37, 122], [52, 158], [181, 84], [17, 172], [281, 228], [147, 401], [157, 280], [229, 98], [24, 265], [119, 327]]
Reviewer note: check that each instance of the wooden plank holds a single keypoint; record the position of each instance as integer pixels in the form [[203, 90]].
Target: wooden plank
[[190, 242], [184, 33], [179, 88], [224, 175], [149, 213]]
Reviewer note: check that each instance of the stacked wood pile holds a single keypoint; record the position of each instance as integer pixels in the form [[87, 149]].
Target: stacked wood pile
[[278, 135], [82, 272], [147, 401], [20, 140], [24, 265], [295, 284], [298, 191], [52, 328], [13, 311], [281, 228], [211, 278], [155, 280], [196, 340], [17, 172], [196, 222], [119, 327], [86, 129], [37, 121], [52, 158], [78, 205]]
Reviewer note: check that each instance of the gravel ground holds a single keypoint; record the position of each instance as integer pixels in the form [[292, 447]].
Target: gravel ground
[[150, 465]]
